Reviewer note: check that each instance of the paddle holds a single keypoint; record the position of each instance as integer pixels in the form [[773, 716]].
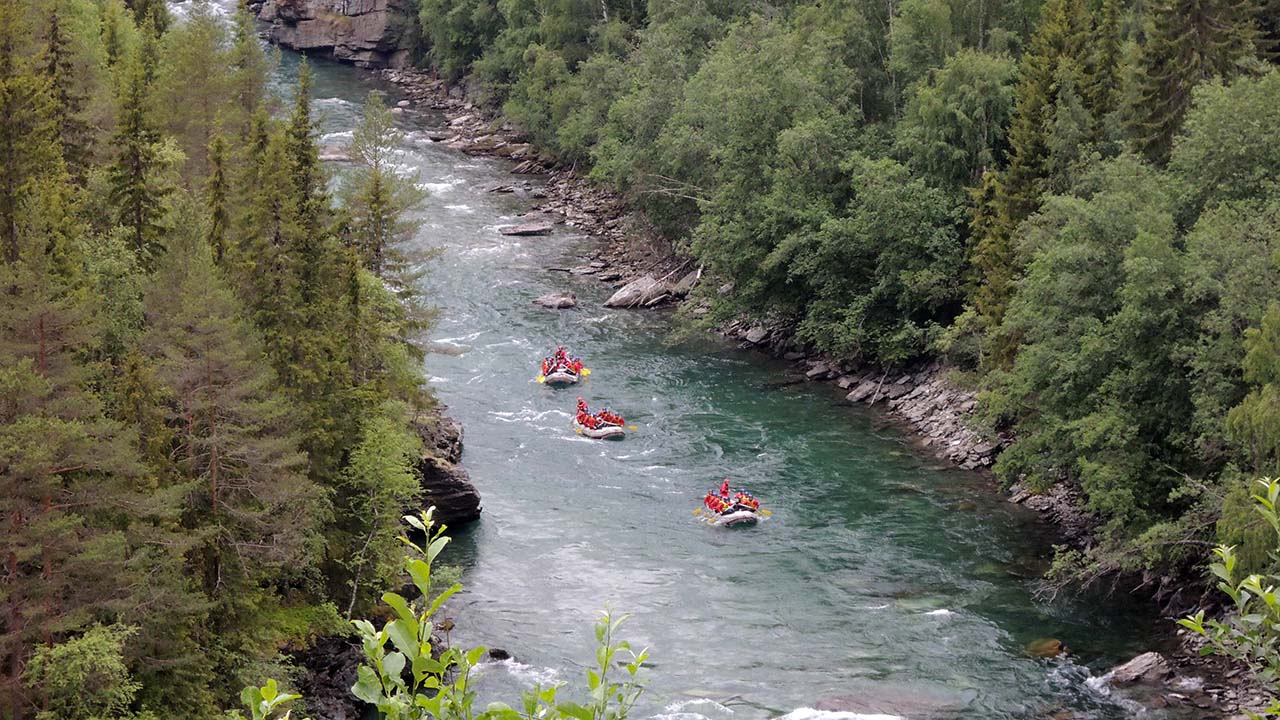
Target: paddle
[[586, 371], [541, 378]]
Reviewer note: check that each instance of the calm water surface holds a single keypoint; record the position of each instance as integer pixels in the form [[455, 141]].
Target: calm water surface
[[883, 580]]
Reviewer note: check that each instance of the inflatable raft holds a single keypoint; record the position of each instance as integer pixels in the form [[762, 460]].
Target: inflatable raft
[[561, 376], [601, 432], [735, 516]]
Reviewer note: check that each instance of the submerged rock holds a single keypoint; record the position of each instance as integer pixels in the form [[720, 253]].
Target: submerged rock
[[557, 300], [1046, 648]]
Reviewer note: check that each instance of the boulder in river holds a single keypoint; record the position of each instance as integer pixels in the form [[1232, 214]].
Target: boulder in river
[[636, 293], [558, 300], [1149, 667], [1046, 648], [532, 228], [444, 484]]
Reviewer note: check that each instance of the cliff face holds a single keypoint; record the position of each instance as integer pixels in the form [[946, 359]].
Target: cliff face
[[369, 33]]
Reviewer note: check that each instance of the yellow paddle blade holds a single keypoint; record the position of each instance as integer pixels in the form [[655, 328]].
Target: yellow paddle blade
[[633, 428], [586, 371], [698, 511], [541, 378], [765, 512]]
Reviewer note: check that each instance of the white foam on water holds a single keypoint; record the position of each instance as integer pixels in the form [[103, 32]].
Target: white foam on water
[[459, 208], [875, 607], [333, 101], [526, 674], [941, 612], [463, 338], [340, 135], [805, 713], [679, 706]]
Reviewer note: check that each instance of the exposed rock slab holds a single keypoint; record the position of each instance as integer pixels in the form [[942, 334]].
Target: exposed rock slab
[[1149, 667], [533, 228], [636, 293]]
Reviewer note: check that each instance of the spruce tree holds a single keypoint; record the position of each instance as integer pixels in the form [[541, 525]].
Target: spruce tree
[[1060, 38], [1105, 58], [378, 200], [249, 69], [138, 188], [1189, 41], [193, 89], [70, 101], [250, 512], [29, 146], [217, 199]]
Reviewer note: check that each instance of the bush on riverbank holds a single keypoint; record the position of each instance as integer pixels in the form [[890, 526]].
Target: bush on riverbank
[[1055, 196]]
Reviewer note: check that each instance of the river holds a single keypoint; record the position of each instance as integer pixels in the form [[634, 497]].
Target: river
[[884, 581]]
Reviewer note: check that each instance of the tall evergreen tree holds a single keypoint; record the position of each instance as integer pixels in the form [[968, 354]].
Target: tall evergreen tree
[[194, 85], [29, 146], [70, 102], [62, 462], [138, 188], [251, 514], [1189, 41], [217, 198], [1060, 38]]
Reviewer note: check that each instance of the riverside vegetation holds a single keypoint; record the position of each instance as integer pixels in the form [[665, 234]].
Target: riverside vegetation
[[1072, 201]]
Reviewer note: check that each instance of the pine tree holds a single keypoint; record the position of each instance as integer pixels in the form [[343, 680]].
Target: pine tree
[[64, 468], [1190, 41], [138, 188]]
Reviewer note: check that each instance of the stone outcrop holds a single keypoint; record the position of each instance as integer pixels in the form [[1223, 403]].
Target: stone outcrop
[[369, 33], [329, 671], [444, 484]]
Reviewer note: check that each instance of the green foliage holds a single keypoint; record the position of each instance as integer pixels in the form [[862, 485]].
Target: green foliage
[[953, 128], [1250, 634], [85, 678], [1189, 41]]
